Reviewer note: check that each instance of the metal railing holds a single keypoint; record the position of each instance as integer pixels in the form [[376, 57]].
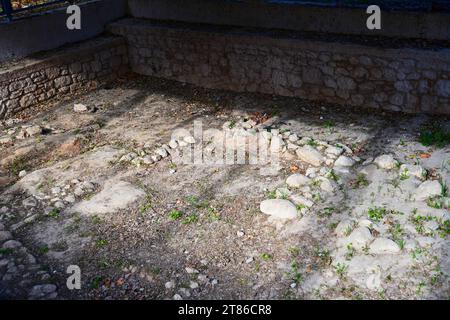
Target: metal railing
[[10, 8]]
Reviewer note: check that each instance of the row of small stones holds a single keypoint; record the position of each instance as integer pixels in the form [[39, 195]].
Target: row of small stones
[[289, 141], [19, 268], [147, 157]]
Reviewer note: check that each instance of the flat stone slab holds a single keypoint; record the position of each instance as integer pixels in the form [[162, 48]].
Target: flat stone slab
[[279, 208], [115, 195]]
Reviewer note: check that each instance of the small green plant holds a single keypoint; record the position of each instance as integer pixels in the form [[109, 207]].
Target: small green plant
[[365, 249], [376, 213], [101, 243], [95, 284], [433, 134], [295, 274], [312, 143], [436, 202], [329, 124], [196, 202], [341, 269], [361, 181], [54, 213], [213, 215], [333, 175], [328, 211], [175, 214], [396, 231], [300, 207], [95, 219], [271, 194], [192, 218], [350, 252], [401, 243], [333, 225], [265, 256], [232, 124], [416, 252], [147, 205], [323, 255], [444, 189], [172, 165], [444, 229], [404, 175], [294, 252], [317, 197], [419, 289], [6, 251], [43, 249]]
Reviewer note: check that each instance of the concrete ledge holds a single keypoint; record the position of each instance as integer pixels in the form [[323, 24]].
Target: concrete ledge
[[426, 25], [397, 79], [48, 30]]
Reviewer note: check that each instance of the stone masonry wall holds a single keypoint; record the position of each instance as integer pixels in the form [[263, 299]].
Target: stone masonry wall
[[409, 80], [61, 73]]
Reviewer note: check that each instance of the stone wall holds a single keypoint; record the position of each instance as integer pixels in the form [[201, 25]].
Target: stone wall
[[398, 79], [54, 75]]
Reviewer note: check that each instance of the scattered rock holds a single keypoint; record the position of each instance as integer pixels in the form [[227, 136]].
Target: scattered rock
[[162, 152], [169, 285], [147, 160], [431, 225], [344, 161], [344, 227], [79, 107], [428, 189], [300, 200], [386, 161], [279, 208], [29, 202], [359, 238], [336, 151], [384, 246], [33, 131], [11, 244], [297, 180], [326, 185], [191, 270], [310, 155], [173, 144], [5, 235], [293, 138]]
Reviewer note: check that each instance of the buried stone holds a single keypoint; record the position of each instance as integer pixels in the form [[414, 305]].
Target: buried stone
[[279, 208]]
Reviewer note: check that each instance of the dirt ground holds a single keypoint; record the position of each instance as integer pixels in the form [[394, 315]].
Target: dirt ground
[[87, 189]]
